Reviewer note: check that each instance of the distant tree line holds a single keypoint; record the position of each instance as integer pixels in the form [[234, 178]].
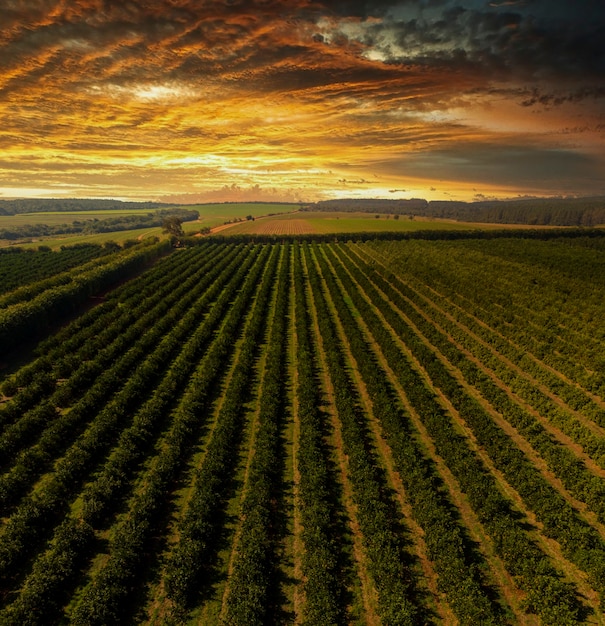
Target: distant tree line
[[587, 212], [94, 226], [378, 205], [40, 205]]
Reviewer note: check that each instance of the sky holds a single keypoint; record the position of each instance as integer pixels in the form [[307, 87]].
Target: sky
[[301, 100]]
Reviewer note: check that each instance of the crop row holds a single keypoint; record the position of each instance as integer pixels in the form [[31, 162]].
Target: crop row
[[493, 378], [187, 569], [57, 429], [542, 379], [78, 345], [103, 599], [447, 542], [66, 370], [20, 269], [323, 585], [251, 598]]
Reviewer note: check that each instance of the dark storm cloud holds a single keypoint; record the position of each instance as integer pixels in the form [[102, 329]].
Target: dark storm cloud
[[506, 44], [362, 8], [496, 164]]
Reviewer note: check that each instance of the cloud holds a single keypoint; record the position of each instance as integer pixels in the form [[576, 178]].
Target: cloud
[[249, 88], [284, 46], [504, 45], [236, 193], [558, 98], [508, 3], [560, 170]]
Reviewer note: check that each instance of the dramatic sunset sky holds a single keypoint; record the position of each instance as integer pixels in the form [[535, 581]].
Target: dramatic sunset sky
[[191, 100]]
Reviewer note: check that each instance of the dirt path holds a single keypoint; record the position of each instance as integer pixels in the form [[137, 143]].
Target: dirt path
[[221, 227], [292, 443]]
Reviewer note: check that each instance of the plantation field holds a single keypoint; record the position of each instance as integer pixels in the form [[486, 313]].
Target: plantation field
[[388, 432], [322, 222]]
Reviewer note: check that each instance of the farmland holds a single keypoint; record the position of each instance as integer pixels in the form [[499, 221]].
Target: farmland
[[210, 216], [378, 432], [309, 222]]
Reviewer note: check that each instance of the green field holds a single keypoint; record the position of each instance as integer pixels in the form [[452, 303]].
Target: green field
[[216, 214], [68, 240], [119, 237], [363, 222], [323, 222]]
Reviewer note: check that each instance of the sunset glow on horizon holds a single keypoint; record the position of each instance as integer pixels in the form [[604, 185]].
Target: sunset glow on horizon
[[297, 100]]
